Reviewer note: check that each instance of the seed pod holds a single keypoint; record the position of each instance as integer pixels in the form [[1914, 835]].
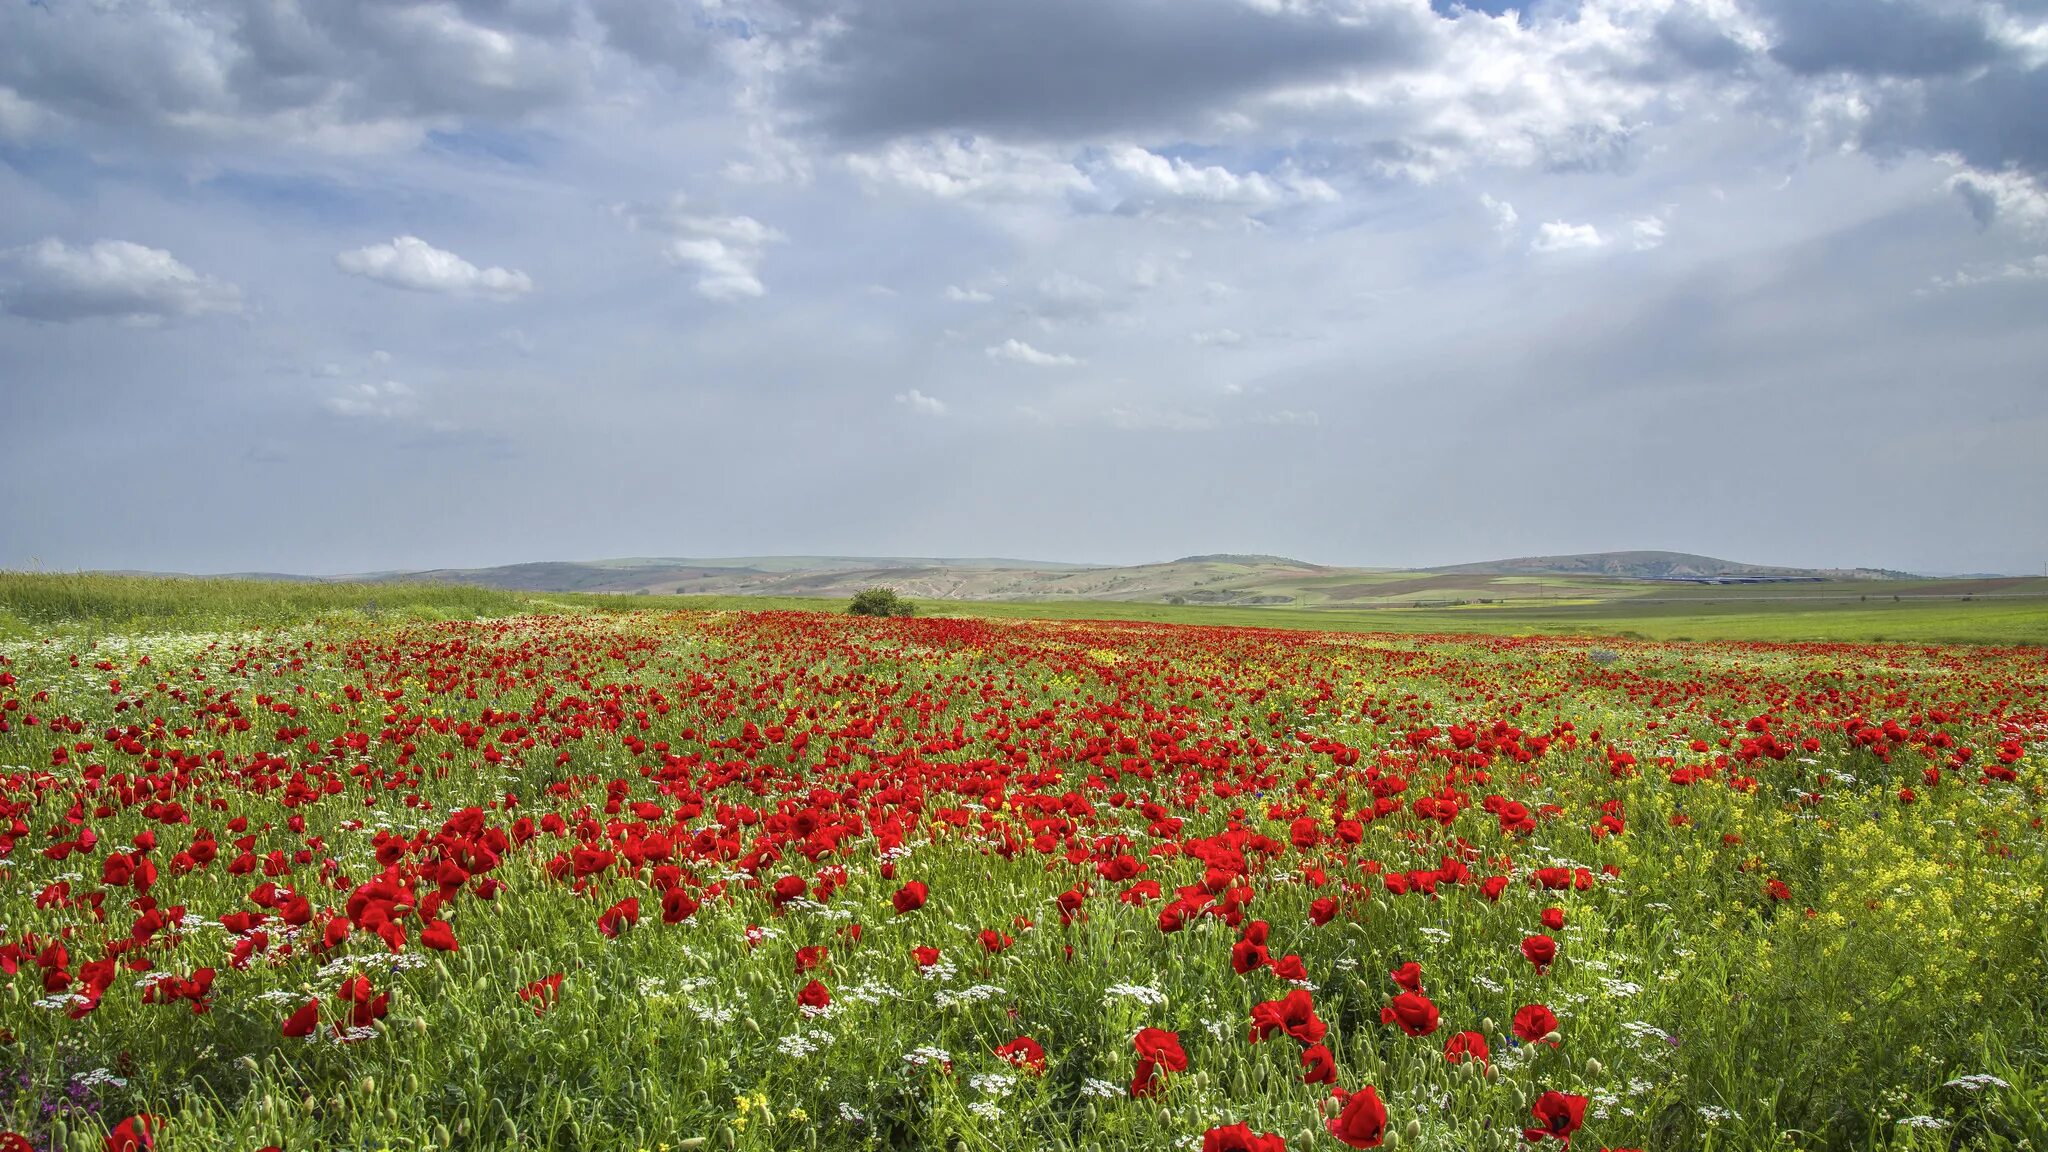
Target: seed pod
[[1413, 1130]]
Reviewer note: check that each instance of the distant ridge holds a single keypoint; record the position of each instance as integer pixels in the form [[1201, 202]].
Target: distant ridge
[[1657, 566], [1246, 558]]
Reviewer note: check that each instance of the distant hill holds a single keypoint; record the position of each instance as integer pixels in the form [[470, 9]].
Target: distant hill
[[1656, 566], [1246, 558]]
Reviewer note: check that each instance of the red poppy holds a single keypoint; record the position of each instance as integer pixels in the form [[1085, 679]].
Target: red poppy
[[1294, 1014], [541, 993], [1412, 1012], [814, 996], [1240, 1138], [1245, 956], [301, 1023], [1553, 919], [1558, 1115], [1024, 1052], [1466, 1046], [1363, 1121], [910, 897], [809, 958], [1289, 967], [15, 1142], [1162, 1047], [677, 906], [1540, 951], [925, 955], [619, 917], [1533, 1022], [995, 941], [439, 936], [1408, 976], [135, 1134], [1318, 1065]]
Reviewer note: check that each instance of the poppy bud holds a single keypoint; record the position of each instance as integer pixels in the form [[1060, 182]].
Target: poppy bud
[[369, 1085], [1414, 1130], [1488, 1026], [1593, 1068], [1552, 1037], [1489, 1073]]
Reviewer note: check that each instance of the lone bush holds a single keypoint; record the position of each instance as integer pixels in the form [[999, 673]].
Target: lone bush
[[880, 602]]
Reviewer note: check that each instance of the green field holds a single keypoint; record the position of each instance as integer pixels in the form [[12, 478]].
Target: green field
[[1921, 613]]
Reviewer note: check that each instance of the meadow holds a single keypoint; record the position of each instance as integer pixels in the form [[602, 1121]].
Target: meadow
[[335, 868]]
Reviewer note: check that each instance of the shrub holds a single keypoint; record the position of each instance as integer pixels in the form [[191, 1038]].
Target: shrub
[[880, 602]]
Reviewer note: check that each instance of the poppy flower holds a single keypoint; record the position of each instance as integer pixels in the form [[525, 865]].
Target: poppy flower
[[995, 941], [1363, 1121], [619, 917], [1289, 967], [541, 993], [814, 997], [1024, 1052], [1408, 976], [1240, 1138], [1318, 1065], [1553, 919], [302, 1022], [15, 1142], [925, 955], [809, 958], [1246, 956], [1322, 910], [135, 1134], [1533, 1022], [910, 897], [1540, 951], [1162, 1047], [1412, 1012], [1466, 1046], [677, 906], [1293, 1014], [439, 936], [1558, 1115]]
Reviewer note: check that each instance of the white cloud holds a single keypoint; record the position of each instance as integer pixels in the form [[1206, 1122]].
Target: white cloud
[[411, 263], [725, 250], [953, 168], [1504, 217], [921, 404], [387, 400], [1148, 173], [967, 295], [1558, 236], [1015, 351], [1288, 417], [2010, 196], [2034, 268], [51, 280], [1648, 232], [1218, 338]]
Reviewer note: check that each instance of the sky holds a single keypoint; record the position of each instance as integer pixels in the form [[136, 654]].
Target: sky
[[288, 285]]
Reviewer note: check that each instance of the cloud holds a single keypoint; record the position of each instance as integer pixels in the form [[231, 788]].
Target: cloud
[[1218, 337], [1558, 236], [1035, 69], [971, 168], [1015, 351], [112, 279], [385, 400], [1288, 418], [1063, 297], [2010, 196], [1147, 175], [1647, 231], [2024, 270], [921, 404], [411, 263], [726, 251], [961, 295], [1503, 213], [343, 76]]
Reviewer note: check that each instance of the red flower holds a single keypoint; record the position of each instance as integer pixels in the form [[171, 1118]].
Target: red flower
[[541, 993], [301, 1023], [1413, 1012], [1162, 1047], [135, 1134], [15, 1142], [1363, 1122], [439, 936], [1541, 951], [677, 906], [925, 955], [814, 996], [1294, 1014], [1245, 956], [1408, 976], [1553, 919], [1466, 1046], [1558, 1115], [1318, 1065], [1025, 1053], [1289, 967], [1322, 910], [619, 917], [995, 941], [1239, 1138], [910, 897], [809, 958], [1533, 1022]]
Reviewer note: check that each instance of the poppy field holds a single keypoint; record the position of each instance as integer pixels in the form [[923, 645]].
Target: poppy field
[[772, 880]]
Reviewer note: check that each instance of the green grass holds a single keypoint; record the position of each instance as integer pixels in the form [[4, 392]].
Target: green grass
[[30, 602]]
